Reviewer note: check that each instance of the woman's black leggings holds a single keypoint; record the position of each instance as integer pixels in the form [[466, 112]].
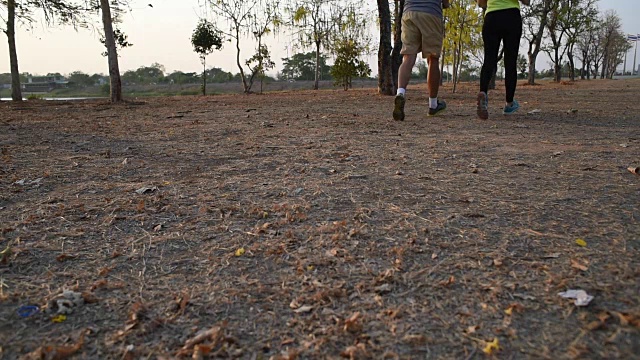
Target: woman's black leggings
[[505, 26]]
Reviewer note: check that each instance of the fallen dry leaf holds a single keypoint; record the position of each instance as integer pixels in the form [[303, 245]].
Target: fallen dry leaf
[[303, 309], [472, 329], [449, 281], [509, 311], [634, 170], [200, 351], [351, 324], [628, 319], [578, 265], [59, 318], [182, 302], [354, 352], [57, 352], [515, 306], [415, 339], [140, 206], [214, 334], [594, 325], [491, 347], [89, 298], [581, 242]]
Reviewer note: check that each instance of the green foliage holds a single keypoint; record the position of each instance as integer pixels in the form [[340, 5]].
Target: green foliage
[[259, 63], [206, 38], [302, 66], [347, 64], [80, 79], [420, 70], [122, 40], [144, 75], [5, 78], [349, 43], [463, 23], [523, 66]]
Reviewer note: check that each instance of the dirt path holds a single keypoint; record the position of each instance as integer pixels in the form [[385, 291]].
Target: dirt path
[[307, 224]]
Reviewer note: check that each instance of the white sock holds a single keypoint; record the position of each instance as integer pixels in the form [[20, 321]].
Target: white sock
[[433, 102], [401, 91]]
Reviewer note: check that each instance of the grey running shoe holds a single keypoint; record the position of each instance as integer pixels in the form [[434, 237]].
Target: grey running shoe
[[483, 105], [442, 106], [398, 110]]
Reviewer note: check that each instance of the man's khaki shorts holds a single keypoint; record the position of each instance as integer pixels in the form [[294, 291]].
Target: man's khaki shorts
[[422, 32]]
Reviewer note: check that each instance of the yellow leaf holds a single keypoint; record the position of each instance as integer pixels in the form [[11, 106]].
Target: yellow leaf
[[509, 311], [59, 318], [581, 242], [489, 349], [310, 268], [240, 252]]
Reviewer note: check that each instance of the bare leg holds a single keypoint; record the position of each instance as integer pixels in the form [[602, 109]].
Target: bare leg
[[404, 73], [433, 76]]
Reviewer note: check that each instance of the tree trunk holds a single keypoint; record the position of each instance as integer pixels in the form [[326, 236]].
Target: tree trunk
[[557, 65], [245, 87], [16, 90], [204, 77], [385, 75], [536, 42], [572, 66], [316, 82], [112, 52], [532, 68], [396, 57]]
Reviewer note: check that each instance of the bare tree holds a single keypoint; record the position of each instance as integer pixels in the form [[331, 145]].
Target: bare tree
[[578, 16], [23, 11], [238, 14], [265, 21], [556, 34], [535, 22], [587, 46], [312, 23], [115, 92], [614, 44]]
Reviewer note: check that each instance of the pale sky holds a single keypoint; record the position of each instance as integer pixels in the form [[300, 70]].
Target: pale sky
[[162, 34]]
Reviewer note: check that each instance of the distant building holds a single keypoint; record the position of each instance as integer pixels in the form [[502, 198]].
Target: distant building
[[45, 83]]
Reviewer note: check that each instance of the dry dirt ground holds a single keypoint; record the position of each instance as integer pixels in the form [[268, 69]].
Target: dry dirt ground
[[310, 225]]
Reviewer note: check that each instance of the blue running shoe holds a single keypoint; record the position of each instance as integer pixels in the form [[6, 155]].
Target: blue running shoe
[[509, 110]]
